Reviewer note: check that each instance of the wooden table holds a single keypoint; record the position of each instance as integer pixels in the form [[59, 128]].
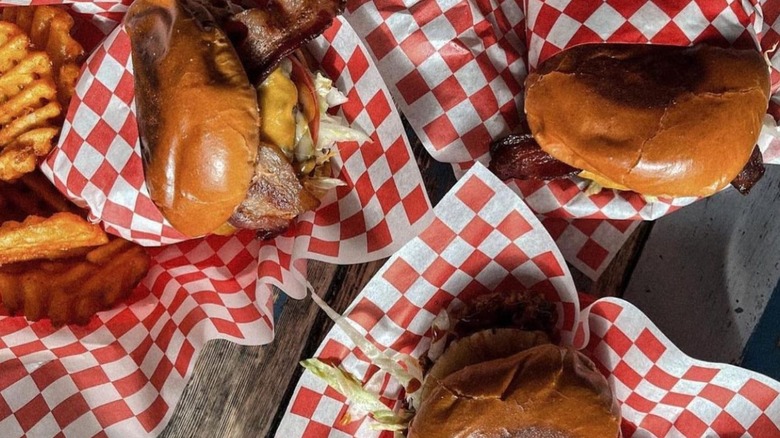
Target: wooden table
[[240, 391]]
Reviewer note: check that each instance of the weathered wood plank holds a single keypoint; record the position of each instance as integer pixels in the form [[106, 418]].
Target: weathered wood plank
[[236, 390], [241, 391]]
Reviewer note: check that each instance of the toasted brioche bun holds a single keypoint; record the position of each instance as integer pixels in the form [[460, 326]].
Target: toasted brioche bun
[[198, 116], [480, 347], [658, 120], [542, 391]]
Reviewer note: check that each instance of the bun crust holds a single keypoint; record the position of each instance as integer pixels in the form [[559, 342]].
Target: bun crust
[[543, 392], [659, 120], [198, 115]]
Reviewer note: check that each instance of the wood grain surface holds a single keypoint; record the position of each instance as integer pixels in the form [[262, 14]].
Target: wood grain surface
[[242, 391]]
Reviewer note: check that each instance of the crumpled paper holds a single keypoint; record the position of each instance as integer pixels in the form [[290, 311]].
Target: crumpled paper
[[124, 372], [456, 70], [496, 243]]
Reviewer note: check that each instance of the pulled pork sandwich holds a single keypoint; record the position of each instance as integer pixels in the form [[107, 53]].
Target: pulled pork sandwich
[[658, 120], [233, 123], [491, 371]]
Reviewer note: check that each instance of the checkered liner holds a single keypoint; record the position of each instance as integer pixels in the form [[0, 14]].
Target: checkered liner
[[456, 69], [495, 242], [123, 374], [98, 162]]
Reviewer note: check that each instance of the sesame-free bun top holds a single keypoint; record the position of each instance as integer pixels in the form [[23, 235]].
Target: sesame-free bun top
[[658, 120], [197, 113], [545, 391]]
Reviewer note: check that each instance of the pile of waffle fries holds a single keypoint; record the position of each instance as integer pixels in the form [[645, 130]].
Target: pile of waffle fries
[[39, 65], [54, 263]]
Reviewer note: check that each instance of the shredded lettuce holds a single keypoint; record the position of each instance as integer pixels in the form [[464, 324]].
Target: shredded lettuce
[[441, 323], [332, 129], [360, 399], [329, 96], [411, 377], [593, 188], [304, 146], [403, 367], [321, 185]]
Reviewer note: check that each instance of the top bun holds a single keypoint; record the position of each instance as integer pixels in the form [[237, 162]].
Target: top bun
[[543, 392], [197, 114], [658, 120]]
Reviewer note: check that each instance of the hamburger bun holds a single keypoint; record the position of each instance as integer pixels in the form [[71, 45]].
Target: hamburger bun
[[480, 347], [544, 391], [658, 120], [197, 113]]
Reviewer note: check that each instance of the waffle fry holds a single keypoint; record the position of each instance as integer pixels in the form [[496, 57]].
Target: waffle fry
[[47, 238], [49, 28], [53, 262], [73, 289], [39, 65], [32, 195]]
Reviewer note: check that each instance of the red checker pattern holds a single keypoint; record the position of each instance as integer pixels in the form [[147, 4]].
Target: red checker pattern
[[421, 277], [384, 203], [515, 37], [238, 288], [675, 380], [625, 345], [102, 119], [161, 314]]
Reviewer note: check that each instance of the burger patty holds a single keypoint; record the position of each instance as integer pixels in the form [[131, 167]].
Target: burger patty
[[275, 197]]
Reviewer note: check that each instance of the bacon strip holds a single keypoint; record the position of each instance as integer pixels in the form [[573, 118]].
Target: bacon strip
[[519, 156], [266, 31], [751, 173]]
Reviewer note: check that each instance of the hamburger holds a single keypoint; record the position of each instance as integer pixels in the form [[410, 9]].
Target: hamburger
[[654, 119], [491, 371], [500, 375], [233, 123]]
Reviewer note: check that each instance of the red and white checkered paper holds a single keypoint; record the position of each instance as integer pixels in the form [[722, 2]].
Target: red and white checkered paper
[[456, 69], [123, 374], [485, 238]]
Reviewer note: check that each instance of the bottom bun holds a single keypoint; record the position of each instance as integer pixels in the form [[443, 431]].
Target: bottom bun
[[543, 392]]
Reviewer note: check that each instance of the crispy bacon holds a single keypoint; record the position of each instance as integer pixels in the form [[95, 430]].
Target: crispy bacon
[[265, 31], [751, 173], [519, 156]]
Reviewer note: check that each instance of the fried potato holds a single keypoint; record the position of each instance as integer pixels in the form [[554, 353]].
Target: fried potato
[[47, 238], [28, 104], [49, 28], [53, 262], [73, 289], [39, 65], [32, 195]]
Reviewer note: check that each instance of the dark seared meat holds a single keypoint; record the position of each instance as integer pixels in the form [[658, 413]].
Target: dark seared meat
[[519, 156], [751, 173], [275, 197], [519, 310], [265, 31]]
